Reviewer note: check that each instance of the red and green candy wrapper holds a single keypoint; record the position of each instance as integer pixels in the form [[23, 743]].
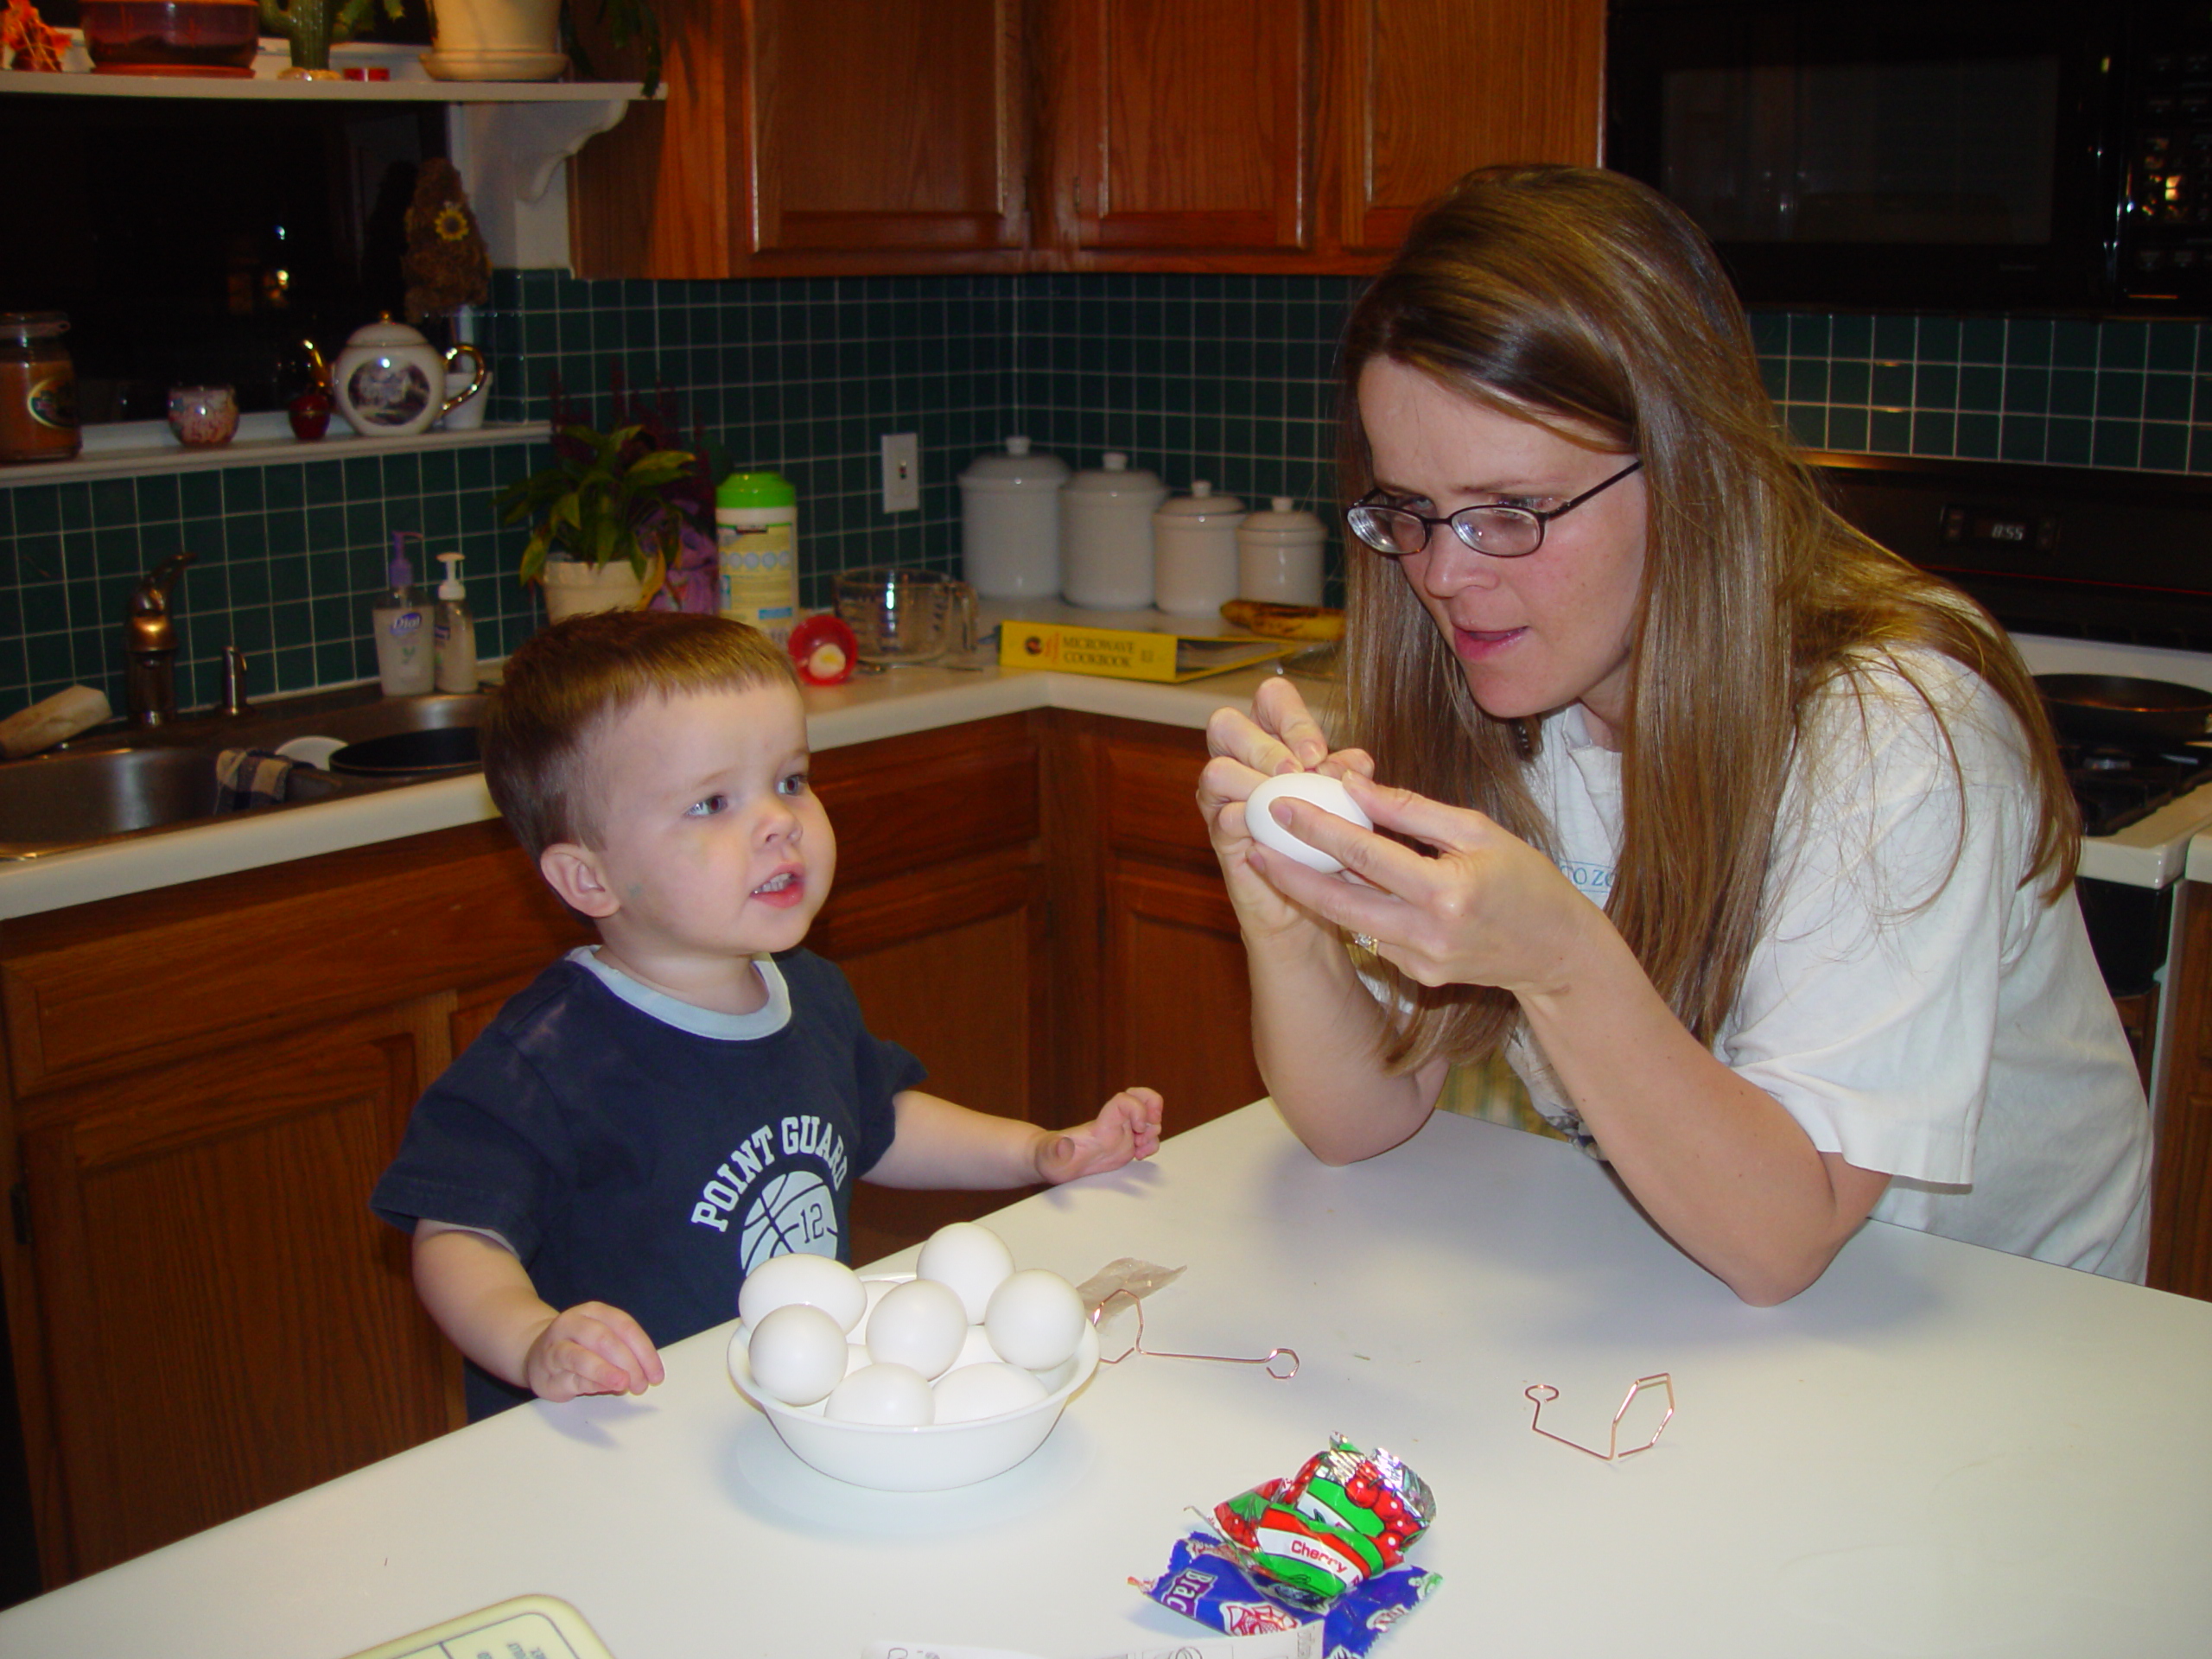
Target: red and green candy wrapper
[[1345, 1517]]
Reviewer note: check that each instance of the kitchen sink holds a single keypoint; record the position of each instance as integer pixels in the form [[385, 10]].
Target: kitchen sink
[[56, 801], [117, 781]]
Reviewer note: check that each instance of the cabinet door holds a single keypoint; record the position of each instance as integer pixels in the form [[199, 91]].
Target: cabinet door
[[1420, 91], [2180, 1180], [1181, 1005], [817, 136], [1182, 126], [224, 1323]]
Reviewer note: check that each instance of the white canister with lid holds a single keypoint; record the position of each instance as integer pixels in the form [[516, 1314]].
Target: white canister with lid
[[1010, 522], [1279, 554], [1106, 535], [1194, 551]]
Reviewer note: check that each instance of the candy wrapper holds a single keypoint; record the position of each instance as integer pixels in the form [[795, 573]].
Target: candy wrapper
[[1331, 1540]]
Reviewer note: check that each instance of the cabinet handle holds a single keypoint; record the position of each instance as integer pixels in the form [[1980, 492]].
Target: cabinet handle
[[19, 1208]]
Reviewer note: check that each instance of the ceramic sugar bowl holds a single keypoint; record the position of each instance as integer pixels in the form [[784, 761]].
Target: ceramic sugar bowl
[[391, 383]]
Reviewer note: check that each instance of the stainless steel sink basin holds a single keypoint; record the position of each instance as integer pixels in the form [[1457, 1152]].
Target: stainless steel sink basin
[[57, 801]]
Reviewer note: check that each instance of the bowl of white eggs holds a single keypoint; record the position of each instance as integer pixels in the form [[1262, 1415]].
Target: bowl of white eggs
[[912, 1382]]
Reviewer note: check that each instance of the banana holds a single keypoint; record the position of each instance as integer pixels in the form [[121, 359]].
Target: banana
[[1285, 621]]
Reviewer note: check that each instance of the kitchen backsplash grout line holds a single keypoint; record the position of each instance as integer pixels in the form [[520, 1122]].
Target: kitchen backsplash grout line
[[1229, 378]]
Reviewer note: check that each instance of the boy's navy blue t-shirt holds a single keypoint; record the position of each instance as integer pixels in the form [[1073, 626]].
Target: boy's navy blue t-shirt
[[632, 1162]]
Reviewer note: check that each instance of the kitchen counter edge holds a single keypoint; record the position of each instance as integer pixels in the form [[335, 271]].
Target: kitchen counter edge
[[903, 700]]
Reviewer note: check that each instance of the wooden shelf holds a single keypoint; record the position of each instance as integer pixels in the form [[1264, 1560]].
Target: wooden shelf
[[418, 88]]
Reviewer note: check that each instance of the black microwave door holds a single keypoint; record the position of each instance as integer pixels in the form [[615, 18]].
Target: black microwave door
[[1891, 155]]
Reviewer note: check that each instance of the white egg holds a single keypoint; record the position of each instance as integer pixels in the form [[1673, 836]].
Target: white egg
[[974, 1391], [897, 1396], [920, 1324], [969, 1258], [1035, 1319], [798, 1353], [1322, 790], [819, 1280]]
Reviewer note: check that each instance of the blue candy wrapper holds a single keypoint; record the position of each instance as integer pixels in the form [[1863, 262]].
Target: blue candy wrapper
[[1204, 1582]]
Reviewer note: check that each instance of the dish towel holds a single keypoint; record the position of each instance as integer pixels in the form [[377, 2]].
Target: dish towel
[[246, 777]]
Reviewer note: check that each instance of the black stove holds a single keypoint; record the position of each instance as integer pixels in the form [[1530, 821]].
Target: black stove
[[2116, 787]]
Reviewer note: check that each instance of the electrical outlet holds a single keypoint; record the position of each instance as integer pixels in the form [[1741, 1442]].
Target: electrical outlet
[[902, 473]]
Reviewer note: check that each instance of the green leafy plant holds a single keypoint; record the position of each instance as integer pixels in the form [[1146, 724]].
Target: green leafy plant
[[608, 495], [626, 22]]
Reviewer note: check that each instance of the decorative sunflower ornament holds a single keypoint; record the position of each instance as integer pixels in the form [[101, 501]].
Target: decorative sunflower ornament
[[446, 264]]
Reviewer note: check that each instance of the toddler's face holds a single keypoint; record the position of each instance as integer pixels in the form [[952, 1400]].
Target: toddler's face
[[713, 841]]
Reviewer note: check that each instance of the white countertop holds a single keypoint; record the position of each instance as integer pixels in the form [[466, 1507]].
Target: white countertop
[[891, 704], [1936, 1449]]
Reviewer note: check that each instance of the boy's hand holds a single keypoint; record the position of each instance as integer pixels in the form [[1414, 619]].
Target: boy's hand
[[591, 1349], [1127, 1128]]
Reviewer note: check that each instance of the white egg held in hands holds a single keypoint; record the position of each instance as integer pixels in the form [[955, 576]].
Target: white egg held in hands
[[894, 1396], [986, 1391], [920, 1324], [1317, 788], [969, 1259], [817, 1280], [798, 1353], [1035, 1319]]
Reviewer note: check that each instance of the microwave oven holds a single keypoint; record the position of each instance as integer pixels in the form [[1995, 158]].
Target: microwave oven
[[1960, 155]]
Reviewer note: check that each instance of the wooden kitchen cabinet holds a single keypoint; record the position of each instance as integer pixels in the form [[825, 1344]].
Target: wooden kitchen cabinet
[[804, 138], [2181, 1191]]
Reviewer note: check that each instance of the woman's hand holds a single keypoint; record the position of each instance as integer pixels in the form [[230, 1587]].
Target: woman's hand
[[1280, 735], [1487, 909]]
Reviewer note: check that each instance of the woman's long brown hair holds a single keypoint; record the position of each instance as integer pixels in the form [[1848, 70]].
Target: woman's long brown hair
[[1587, 302]]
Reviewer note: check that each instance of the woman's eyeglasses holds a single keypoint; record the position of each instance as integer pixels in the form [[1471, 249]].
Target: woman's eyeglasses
[[1502, 532]]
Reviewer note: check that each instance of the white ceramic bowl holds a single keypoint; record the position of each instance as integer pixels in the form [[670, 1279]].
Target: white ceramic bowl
[[930, 1459]]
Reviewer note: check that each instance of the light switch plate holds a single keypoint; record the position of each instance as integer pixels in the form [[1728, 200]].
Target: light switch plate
[[902, 472]]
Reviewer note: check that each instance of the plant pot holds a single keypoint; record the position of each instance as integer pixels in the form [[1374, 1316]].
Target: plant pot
[[573, 588], [495, 40]]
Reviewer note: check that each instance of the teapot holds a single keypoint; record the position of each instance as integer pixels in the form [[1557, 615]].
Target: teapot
[[391, 383]]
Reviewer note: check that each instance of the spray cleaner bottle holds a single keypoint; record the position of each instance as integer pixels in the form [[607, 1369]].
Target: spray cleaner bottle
[[456, 630], [400, 621]]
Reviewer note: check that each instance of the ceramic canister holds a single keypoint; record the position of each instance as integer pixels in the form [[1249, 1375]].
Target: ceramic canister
[[1194, 551], [1010, 522], [1106, 535], [1279, 554]]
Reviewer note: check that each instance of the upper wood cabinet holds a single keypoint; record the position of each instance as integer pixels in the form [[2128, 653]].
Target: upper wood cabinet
[[874, 137]]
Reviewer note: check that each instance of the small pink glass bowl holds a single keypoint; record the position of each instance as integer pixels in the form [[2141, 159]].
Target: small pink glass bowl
[[203, 417]]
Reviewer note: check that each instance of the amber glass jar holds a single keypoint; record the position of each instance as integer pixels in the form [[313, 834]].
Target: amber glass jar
[[38, 388]]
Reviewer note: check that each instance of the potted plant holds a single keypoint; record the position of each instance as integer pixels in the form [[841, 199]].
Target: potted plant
[[529, 40], [622, 518]]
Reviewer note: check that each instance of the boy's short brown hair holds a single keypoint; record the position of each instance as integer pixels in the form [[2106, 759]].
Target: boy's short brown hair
[[568, 680]]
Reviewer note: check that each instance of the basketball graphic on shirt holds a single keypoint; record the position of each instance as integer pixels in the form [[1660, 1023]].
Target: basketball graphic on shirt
[[793, 1209]]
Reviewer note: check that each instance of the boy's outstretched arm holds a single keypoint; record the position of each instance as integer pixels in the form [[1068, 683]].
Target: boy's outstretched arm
[[481, 1297], [939, 1144]]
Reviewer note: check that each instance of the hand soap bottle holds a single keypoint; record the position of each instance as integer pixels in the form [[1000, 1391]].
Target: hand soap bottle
[[456, 630], [401, 622]]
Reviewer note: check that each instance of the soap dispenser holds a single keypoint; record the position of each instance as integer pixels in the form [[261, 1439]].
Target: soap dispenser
[[456, 630], [400, 620]]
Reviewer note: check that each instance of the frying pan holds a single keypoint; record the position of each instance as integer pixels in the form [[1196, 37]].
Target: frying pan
[[438, 749], [2119, 709]]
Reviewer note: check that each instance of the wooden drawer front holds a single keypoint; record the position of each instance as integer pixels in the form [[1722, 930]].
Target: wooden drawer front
[[905, 803], [1152, 799], [213, 974]]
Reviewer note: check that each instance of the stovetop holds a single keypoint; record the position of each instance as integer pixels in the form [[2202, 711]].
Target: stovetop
[[2115, 787]]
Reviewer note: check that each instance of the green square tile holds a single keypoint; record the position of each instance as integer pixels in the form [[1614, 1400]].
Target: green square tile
[[2027, 391], [1848, 430], [2066, 442], [2021, 437], [1774, 371], [287, 532], [158, 496], [2122, 345], [2074, 344], [1807, 424], [288, 583], [2166, 446], [1935, 385], [2073, 391], [1981, 388], [1897, 336], [2168, 397], [1981, 339], [2173, 346], [1892, 384], [116, 553], [2120, 396], [199, 495], [114, 502], [246, 489], [249, 583], [1933, 432], [1809, 381], [38, 507], [324, 482], [2117, 443], [2027, 342], [1937, 341], [1977, 437], [1851, 337], [1808, 333], [1849, 382]]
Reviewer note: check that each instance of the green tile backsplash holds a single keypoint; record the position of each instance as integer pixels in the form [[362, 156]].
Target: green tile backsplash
[[1222, 377]]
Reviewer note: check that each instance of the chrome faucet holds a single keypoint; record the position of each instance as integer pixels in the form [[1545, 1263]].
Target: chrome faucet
[[150, 645]]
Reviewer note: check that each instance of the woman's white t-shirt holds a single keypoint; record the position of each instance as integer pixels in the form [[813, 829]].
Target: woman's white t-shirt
[[1908, 1003]]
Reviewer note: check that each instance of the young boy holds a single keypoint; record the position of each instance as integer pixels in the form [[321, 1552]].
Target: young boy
[[652, 1118]]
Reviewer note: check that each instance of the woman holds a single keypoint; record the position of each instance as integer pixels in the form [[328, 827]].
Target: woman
[[1745, 841]]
